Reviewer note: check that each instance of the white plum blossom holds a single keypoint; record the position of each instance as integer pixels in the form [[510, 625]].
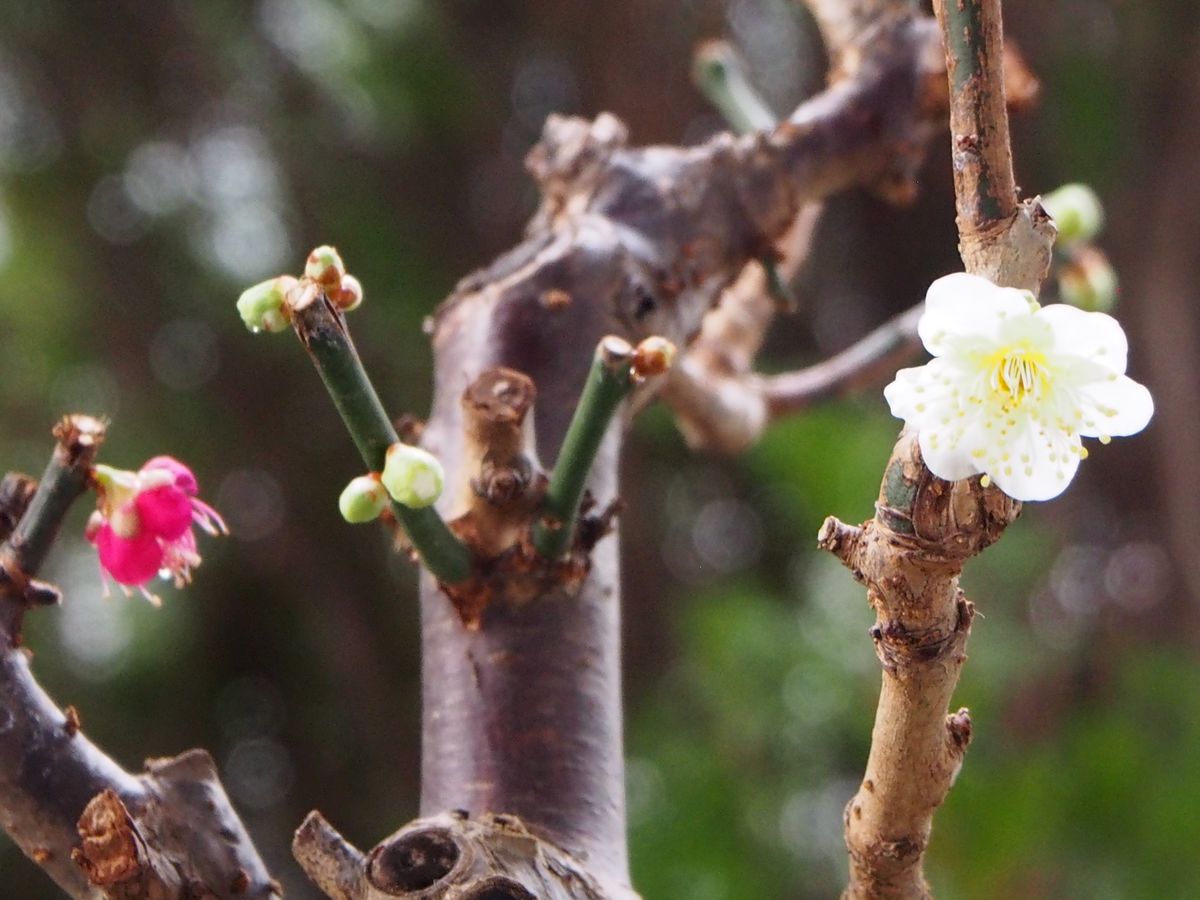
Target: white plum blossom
[[1013, 386]]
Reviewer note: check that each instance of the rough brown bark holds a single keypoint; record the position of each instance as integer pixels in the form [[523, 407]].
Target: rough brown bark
[[910, 556], [176, 836]]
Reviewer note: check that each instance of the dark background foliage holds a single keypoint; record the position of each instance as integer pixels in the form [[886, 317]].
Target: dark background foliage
[[156, 156]]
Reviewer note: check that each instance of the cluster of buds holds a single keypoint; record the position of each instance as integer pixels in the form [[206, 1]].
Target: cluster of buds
[[411, 476], [142, 525], [267, 306], [1085, 277]]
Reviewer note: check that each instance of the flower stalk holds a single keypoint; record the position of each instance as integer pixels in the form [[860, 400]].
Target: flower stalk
[[323, 332]]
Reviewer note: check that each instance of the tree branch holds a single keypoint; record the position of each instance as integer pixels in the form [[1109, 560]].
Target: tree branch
[[178, 829], [1003, 240], [609, 382], [865, 362], [725, 410], [911, 553]]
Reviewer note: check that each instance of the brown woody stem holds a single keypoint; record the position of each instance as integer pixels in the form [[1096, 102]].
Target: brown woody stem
[[867, 361], [1000, 238], [911, 553], [909, 557]]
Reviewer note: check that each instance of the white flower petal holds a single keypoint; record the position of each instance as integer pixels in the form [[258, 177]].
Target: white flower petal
[[1029, 331], [1034, 463], [1114, 408], [1013, 387], [925, 394], [962, 306], [958, 448], [1091, 335], [946, 454]]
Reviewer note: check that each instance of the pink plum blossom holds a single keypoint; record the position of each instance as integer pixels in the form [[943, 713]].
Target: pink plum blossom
[[143, 521]]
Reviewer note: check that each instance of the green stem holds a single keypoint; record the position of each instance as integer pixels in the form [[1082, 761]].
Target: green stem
[[323, 332], [608, 383], [719, 74], [66, 477]]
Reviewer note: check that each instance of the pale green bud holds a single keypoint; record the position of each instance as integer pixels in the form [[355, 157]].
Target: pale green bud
[[363, 500], [412, 476], [264, 306], [1076, 211], [325, 267], [1088, 281]]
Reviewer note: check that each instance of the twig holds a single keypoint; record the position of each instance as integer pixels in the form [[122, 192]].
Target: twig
[[863, 363], [1001, 239], [911, 553], [177, 829], [608, 383], [729, 412], [77, 438], [322, 330]]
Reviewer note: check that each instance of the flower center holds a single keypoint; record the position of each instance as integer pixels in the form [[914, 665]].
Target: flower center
[[125, 522], [1019, 373]]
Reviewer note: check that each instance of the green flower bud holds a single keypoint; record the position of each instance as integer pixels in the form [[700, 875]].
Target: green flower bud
[[1088, 281], [412, 476], [326, 268], [349, 295], [363, 500], [1077, 213], [264, 306]]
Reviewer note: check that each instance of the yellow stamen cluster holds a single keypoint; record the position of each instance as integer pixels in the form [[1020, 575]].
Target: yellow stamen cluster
[[1018, 373]]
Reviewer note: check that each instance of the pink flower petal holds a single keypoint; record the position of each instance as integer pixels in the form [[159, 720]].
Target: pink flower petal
[[185, 480], [164, 512], [130, 561]]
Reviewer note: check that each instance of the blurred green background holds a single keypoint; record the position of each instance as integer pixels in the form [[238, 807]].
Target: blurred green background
[[156, 156]]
